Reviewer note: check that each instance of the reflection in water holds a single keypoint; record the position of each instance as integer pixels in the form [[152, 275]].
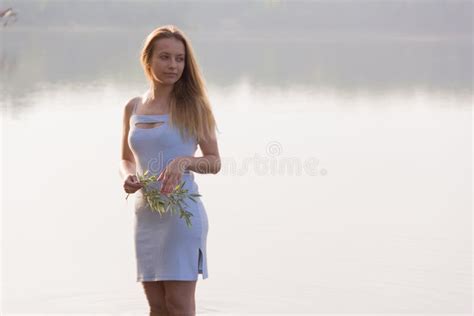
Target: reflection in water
[[323, 45], [348, 66]]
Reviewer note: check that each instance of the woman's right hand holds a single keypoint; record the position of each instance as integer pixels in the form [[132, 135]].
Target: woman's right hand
[[132, 184]]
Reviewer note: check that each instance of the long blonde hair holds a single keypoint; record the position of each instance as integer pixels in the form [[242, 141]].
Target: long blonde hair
[[190, 109]]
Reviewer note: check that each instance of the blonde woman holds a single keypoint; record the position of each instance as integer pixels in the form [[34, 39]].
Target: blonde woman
[[161, 132]]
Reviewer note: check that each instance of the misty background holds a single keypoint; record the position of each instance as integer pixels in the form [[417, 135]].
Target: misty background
[[376, 96]]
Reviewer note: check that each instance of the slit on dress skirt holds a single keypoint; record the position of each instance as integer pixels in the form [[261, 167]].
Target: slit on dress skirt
[[200, 261]]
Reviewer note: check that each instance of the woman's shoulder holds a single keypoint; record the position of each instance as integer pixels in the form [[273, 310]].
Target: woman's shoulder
[[128, 108]]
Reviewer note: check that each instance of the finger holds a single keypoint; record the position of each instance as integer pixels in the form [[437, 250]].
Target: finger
[[163, 186], [134, 179], [166, 179], [170, 187], [171, 183], [175, 182], [161, 176], [133, 185], [137, 184]]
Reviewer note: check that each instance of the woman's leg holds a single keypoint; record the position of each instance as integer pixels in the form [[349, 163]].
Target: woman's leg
[[179, 296], [155, 294]]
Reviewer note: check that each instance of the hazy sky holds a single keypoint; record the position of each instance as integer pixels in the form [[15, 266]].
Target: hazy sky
[[394, 16]]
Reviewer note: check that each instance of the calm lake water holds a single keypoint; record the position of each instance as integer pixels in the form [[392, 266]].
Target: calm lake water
[[345, 135]]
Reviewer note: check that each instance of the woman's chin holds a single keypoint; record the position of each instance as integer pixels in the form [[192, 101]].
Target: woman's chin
[[167, 81]]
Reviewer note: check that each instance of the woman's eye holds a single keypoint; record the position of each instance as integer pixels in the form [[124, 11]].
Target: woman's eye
[[166, 57]]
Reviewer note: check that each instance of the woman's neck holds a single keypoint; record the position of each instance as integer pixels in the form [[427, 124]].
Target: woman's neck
[[160, 97], [160, 92]]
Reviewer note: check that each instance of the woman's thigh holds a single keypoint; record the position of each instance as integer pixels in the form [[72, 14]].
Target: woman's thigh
[[155, 294], [179, 296]]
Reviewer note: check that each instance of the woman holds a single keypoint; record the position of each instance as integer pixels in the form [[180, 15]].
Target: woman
[[161, 131]]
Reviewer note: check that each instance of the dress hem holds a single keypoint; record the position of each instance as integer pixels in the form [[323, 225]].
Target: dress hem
[[169, 278]]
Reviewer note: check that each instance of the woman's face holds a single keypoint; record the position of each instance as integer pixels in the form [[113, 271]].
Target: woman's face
[[167, 62]]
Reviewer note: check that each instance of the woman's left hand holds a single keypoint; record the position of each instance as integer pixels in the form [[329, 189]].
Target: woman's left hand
[[171, 175]]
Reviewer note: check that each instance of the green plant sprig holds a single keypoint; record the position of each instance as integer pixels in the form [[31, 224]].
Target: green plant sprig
[[173, 203]]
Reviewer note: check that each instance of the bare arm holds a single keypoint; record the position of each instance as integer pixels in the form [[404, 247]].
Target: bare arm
[[127, 162], [210, 162]]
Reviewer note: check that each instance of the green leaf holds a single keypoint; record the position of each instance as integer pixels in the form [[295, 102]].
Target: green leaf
[[172, 203]]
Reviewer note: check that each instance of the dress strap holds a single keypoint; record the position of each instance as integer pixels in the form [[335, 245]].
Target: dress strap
[[134, 107]]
